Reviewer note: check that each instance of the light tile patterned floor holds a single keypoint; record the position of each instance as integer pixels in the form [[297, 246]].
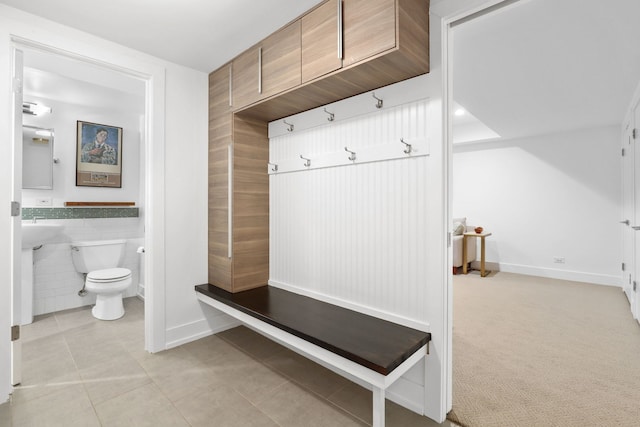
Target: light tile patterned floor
[[80, 371]]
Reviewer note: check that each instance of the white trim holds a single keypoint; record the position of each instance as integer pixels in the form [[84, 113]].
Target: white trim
[[404, 321], [554, 273], [154, 220], [330, 360], [447, 137], [193, 331], [154, 142]]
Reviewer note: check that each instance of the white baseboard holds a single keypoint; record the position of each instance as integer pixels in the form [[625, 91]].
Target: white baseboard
[[391, 317], [193, 331], [553, 273]]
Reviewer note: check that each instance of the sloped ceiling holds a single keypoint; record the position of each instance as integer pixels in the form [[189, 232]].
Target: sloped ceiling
[[545, 66]]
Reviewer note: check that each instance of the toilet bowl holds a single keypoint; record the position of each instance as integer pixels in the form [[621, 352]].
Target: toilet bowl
[[100, 261]]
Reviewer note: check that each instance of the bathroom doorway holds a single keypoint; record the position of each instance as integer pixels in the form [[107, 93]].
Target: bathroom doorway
[[52, 65]]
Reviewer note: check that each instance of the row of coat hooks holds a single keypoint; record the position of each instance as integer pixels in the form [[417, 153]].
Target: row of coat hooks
[[352, 156], [331, 116]]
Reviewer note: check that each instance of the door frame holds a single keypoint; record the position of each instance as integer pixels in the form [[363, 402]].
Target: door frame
[[451, 18], [153, 76], [628, 207]]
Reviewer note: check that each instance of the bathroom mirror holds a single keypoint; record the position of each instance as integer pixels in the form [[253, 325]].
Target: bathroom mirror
[[37, 158]]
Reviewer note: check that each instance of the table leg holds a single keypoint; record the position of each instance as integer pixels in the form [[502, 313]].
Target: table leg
[[482, 251], [378, 407], [464, 254]]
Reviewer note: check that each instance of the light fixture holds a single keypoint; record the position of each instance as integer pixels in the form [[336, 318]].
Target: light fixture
[[34, 109], [43, 132], [460, 112]]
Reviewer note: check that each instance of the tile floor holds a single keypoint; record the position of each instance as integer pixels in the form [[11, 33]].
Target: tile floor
[[80, 371]]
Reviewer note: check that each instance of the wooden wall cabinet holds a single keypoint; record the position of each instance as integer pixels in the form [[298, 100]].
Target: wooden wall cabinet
[[384, 42], [369, 28], [220, 139], [268, 68], [238, 192], [322, 40], [246, 89], [281, 60]]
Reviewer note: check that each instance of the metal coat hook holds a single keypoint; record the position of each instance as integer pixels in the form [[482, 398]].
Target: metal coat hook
[[274, 168], [352, 157], [379, 103], [308, 161], [289, 126], [408, 149], [331, 115]]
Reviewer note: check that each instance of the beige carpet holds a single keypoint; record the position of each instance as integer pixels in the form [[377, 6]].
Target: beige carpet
[[530, 351]]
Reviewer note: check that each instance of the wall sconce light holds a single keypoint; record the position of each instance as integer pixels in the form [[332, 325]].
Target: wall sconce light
[[34, 109]]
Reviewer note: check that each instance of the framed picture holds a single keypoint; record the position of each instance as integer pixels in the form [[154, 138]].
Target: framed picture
[[99, 155]]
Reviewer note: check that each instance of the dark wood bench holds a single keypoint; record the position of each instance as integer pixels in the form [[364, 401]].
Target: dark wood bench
[[355, 345]]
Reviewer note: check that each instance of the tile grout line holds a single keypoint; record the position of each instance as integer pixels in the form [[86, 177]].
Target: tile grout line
[[84, 387], [292, 380]]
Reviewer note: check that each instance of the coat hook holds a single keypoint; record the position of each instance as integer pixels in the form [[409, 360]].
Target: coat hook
[[408, 149], [352, 157], [331, 115], [379, 103], [289, 126], [274, 168], [308, 161]]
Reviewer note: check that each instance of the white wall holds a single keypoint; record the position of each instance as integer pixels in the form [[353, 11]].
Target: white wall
[[371, 236], [177, 193], [63, 120], [543, 197]]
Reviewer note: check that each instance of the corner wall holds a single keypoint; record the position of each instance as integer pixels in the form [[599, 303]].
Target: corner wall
[[546, 197]]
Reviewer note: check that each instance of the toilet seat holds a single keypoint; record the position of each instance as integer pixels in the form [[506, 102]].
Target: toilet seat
[[109, 275]]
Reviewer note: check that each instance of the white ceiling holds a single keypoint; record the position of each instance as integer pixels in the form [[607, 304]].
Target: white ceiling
[[545, 66], [535, 67], [200, 34]]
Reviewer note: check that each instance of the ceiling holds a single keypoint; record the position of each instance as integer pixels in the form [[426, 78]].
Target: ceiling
[[545, 66], [533, 67], [200, 34]]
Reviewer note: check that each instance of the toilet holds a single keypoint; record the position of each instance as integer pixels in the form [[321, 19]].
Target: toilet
[[101, 261]]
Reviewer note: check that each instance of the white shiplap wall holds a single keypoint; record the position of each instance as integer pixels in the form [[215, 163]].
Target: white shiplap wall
[[355, 235]]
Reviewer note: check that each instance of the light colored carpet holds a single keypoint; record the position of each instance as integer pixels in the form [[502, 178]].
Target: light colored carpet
[[531, 351]]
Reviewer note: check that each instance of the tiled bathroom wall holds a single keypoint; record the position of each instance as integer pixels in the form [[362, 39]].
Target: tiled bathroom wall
[[56, 282]]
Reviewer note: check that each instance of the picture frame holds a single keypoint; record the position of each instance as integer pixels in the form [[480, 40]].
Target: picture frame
[[99, 155]]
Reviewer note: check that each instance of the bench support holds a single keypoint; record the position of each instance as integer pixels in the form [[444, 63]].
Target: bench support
[[378, 407], [338, 364]]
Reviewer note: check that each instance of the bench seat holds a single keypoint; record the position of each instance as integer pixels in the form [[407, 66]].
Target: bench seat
[[355, 345]]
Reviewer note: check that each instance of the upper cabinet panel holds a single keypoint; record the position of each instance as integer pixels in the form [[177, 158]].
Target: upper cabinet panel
[[220, 87], [369, 28], [281, 60], [321, 40], [246, 88]]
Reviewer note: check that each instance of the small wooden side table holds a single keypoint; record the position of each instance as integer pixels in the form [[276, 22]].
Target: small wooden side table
[[483, 273]]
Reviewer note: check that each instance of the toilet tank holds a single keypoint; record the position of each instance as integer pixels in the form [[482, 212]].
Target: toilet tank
[[97, 255]]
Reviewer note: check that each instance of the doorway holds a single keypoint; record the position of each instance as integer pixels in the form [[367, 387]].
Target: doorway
[[149, 125]]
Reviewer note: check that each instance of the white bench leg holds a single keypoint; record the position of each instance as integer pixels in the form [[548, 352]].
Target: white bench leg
[[378, 407]]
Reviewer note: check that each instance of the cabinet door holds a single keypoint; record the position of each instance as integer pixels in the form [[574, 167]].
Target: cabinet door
[[321, 40], [246, 88], [220, 87], [219, 141], [369, 28], [281, 60]]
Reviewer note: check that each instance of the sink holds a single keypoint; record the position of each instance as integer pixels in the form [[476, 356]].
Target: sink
[[38, 234]]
